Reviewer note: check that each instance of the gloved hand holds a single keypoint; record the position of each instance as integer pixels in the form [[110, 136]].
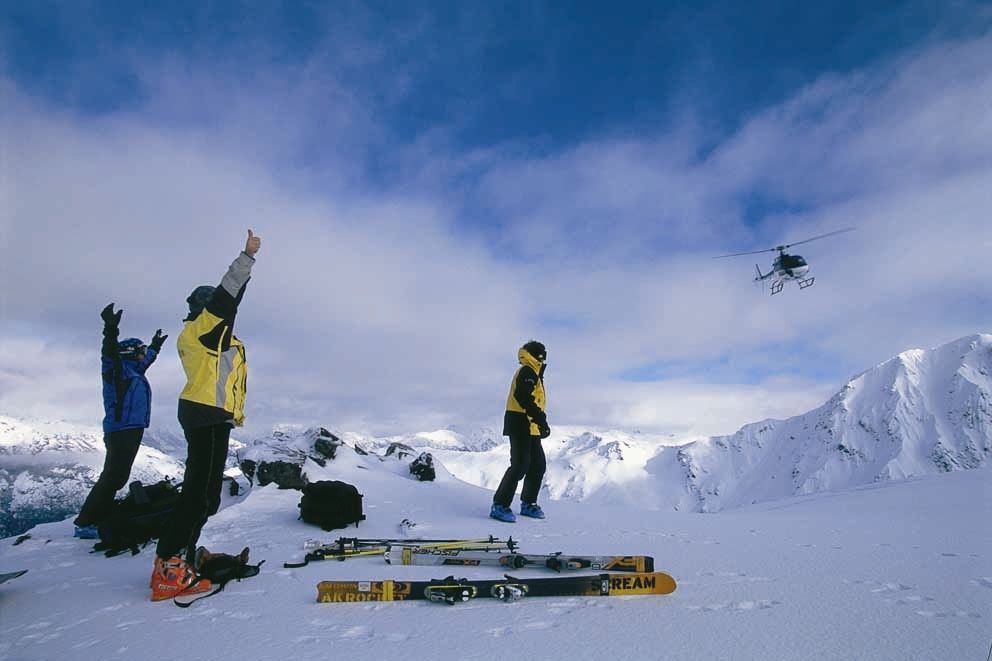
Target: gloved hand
[[544, 429], [158, 340], [252, 244], [111, 318]]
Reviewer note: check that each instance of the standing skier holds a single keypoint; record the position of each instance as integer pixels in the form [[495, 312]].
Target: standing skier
[[526, 423], [127, 402], [210, 405]]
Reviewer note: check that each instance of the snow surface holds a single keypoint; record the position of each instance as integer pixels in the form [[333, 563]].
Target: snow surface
[[895, 570]]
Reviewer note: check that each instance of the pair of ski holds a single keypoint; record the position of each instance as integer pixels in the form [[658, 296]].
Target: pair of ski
[[453, 590], [350, 547], [489, 551]]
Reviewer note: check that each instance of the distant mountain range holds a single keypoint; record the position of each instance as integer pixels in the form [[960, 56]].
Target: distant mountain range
[[47, 468], [922, 412]]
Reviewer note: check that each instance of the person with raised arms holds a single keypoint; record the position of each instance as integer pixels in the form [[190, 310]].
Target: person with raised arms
[[210, 405]]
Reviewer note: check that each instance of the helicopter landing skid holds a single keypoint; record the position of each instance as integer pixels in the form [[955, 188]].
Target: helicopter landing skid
[[777, 286], [808, 282]]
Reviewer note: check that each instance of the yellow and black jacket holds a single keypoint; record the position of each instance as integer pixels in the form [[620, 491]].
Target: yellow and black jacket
[[525, 405], [213, 358]]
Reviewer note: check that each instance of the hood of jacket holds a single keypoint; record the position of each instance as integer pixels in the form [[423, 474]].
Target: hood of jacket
[[530, 361]]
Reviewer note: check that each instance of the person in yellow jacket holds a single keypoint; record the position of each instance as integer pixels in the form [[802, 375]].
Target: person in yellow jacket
[[211, 404], [526, 423]]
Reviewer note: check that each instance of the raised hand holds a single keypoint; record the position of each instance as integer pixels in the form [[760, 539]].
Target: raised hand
[[252, 244], [111, 318], [158, 340]]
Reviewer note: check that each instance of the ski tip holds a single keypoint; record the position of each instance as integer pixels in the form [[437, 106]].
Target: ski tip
[[11, 575]]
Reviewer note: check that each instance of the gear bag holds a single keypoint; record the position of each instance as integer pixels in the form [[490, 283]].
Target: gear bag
[[423, 467], [137, 518], [331, 504]]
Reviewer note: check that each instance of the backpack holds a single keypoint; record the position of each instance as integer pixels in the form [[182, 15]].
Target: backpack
[[137, 518], [423, 467], [331, 504]]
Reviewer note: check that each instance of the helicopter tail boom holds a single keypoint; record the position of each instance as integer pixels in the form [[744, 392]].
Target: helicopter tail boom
[[762, 276]]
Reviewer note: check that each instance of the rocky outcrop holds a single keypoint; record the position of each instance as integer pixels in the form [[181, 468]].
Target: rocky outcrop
[[278, 458]]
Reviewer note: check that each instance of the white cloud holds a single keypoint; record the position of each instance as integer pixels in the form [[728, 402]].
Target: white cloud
[[381, 306]]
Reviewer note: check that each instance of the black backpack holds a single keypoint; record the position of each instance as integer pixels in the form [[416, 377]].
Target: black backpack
[[423, 467], [137, 518], [331, 504]]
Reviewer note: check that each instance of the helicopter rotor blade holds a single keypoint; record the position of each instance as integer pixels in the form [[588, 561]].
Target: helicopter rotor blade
[[753, 252], [821, 236]]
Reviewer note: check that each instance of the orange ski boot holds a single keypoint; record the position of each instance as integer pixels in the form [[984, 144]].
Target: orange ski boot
[[173, 577]]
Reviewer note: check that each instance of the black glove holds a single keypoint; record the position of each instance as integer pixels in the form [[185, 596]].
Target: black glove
[[544, 429], [111, 318], [158, 340]]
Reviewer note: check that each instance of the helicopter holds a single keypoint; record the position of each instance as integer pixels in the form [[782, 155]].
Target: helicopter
[[787, 267]]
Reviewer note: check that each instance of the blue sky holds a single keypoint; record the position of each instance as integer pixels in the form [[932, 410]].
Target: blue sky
[[439, 183], [540, 76]]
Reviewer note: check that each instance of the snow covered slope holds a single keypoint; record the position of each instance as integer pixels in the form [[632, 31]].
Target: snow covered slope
[[897, 570], [920, 413]]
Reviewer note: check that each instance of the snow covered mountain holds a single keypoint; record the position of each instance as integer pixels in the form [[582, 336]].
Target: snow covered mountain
[[47, 468], [922, 412]]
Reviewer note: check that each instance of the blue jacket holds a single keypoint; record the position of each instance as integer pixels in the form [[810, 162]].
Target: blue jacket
[[127, 396]]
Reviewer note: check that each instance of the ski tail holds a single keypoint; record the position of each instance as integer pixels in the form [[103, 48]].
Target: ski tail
[[11, 575], [625, 563]]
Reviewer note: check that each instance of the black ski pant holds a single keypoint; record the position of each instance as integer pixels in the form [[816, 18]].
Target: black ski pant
[[527, 463], [206, 454], [122, 447]]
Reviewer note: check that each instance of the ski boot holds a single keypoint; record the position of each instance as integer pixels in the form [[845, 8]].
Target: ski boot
[[173, 577], [500, 513], [87, 532], [533, 510]]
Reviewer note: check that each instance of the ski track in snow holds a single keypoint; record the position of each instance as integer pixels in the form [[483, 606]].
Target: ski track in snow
[[899, 594], [739, 606]]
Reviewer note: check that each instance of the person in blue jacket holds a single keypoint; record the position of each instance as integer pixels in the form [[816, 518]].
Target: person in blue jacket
[[127, 401]]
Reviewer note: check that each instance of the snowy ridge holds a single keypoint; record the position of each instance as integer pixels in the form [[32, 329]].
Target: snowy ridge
[[452, 438], [920, 413]]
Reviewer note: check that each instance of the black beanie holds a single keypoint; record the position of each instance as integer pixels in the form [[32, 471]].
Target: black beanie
[[198, 300], [536, 349]]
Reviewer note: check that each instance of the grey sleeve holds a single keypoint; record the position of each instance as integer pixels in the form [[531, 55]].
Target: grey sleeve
[[237, 274]]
